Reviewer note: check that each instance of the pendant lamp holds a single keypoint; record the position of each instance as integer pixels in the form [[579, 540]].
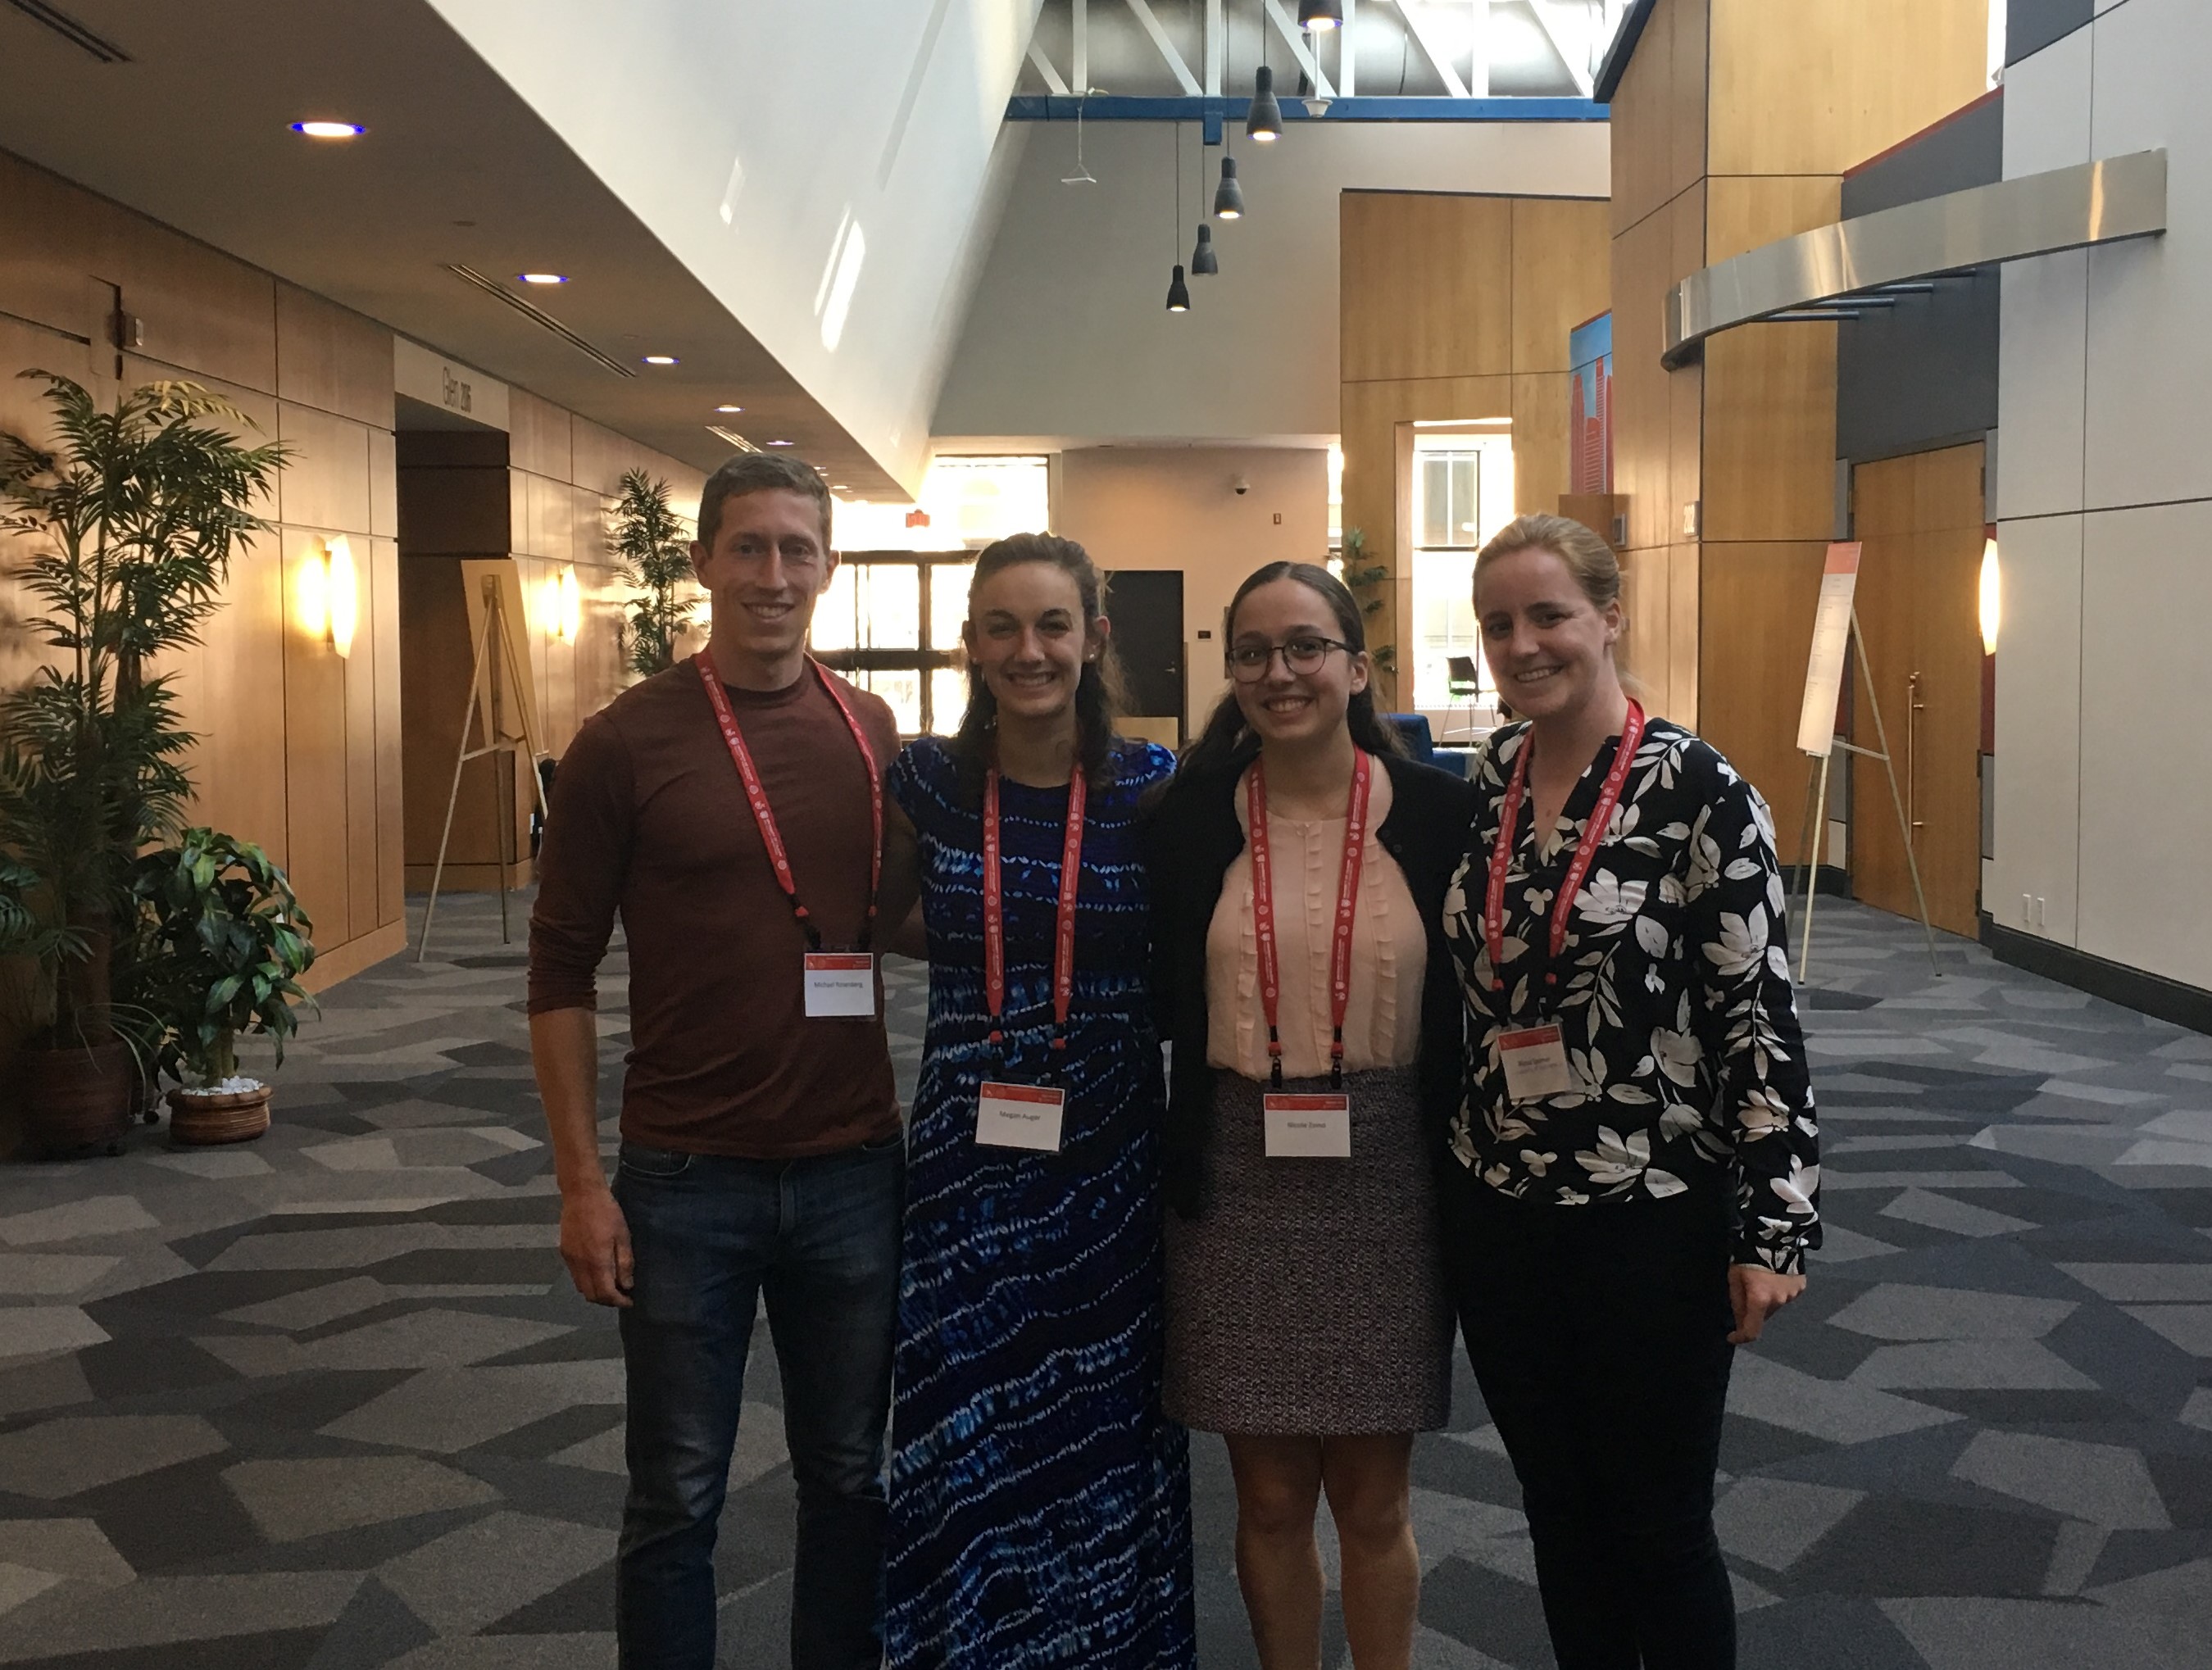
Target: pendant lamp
[[1202, 259], [1264, 123], [1228, 196], [1316, 15], [1178, 293]]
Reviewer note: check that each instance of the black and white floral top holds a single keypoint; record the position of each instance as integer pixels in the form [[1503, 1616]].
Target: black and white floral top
[[1673, 995]]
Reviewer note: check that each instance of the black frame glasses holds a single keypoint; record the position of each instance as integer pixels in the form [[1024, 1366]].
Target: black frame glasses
[[1303, 656]]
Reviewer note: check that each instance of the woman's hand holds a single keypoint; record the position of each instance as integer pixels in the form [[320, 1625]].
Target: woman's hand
[[1757, 1293]]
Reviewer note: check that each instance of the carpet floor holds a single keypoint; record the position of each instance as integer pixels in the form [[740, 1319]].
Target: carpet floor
[[326, 1399]]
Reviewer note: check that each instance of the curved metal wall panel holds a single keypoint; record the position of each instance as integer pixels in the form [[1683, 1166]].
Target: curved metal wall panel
[[2095, 202]]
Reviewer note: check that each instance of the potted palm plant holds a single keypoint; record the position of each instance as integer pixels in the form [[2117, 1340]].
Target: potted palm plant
[[130, 521], [652, 547], [222, 944]]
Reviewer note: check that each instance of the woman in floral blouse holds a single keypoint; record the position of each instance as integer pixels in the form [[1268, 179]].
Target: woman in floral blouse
[[1637, 1158]]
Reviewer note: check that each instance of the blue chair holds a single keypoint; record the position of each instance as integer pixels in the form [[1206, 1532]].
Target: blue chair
[[1414, 730]]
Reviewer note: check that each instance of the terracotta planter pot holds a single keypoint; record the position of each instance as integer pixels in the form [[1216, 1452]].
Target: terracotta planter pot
[[78, 1098], [200, 1119]]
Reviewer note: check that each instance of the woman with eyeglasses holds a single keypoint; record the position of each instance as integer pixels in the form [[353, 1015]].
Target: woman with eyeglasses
[[1298, 865]]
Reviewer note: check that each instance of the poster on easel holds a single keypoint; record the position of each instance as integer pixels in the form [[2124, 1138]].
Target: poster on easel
[[1832, 638]]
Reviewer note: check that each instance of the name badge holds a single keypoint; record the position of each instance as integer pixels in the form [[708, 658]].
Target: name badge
[[1308, 1127], [840, 984], [1535, 1064], [1019, 1116]]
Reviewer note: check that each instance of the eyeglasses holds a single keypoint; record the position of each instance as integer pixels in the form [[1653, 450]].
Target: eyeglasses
[[1249, 663]]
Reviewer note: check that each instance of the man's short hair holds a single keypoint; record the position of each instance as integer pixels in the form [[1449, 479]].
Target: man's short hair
[[760, 472]]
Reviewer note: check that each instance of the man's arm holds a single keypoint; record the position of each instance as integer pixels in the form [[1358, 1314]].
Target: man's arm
[[564, 1048], [583, 856]]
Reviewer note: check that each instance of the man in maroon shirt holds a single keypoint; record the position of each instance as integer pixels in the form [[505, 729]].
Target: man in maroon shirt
[[730, 810]]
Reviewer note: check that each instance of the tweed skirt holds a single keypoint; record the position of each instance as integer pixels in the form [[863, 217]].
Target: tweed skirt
[[1308, 1297]]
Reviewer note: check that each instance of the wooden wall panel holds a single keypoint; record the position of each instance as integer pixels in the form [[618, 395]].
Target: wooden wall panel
[[52, 237], [1770, 433], [391, 831], [1427, 285], [601, 456], [332, 359], [240, 717], [1859, 74], [314, 762], [326, 483], [383, 486], [1659, 113], [1756, 604], [538, 436], [205, 314], [1542, 413], [1656, 413], [1684, 570], [1562, 277], [361, 786]]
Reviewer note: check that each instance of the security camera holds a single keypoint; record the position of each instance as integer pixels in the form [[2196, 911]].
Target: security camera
[[1240, 487]]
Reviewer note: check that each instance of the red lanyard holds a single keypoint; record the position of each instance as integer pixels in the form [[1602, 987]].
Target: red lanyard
[[1347, 901], [756, 797], [1593, 832], [994, 909]]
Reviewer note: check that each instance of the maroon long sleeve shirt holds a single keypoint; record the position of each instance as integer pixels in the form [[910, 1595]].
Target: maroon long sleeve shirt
[[649, 818]]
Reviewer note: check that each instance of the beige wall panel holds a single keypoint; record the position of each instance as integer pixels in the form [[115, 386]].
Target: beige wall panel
[[599, 675], [239, 714], [332, 359], [588, 527], [326, 483], [1746, 211], [24, 412], [1541, 410], [599, 457], [552, 520], [315, 762], [1770, 433], [391, 833], [1427, 285], [1838, 80], [1562, 277], [206, 314], [383, 485], [518, 537], [1756, 626], [52, 236], [538, 435]]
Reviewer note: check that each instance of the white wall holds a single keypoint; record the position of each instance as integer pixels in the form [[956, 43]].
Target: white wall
[[1069, 338], [752, 136], [2105, 516], [1177, 507]]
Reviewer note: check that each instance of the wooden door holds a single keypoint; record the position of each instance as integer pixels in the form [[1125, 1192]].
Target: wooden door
[[1920, 519]]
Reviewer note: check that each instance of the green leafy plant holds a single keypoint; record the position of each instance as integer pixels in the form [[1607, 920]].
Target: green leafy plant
[[223, 944], [653, 548], [132, 520], [1365, 580]]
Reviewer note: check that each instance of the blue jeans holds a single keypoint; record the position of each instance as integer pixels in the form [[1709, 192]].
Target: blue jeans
[[819, 1237]]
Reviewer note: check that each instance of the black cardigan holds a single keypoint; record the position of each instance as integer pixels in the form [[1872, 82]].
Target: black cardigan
[[1192, 839]]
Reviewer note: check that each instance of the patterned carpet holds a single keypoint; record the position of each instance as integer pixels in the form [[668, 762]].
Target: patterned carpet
[[326, 1400]]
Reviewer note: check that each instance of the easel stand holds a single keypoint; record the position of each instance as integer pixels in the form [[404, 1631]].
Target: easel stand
[[1816, 822], [498, 667]]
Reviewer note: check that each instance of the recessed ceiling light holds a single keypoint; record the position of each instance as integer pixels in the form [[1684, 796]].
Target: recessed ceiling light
[[779, 443], [729, 409], [329, 130], [660, 359], [542, 278], [839, 486]]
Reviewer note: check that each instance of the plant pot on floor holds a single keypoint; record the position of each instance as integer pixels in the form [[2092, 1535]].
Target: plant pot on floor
[[79, 1098], [201, 1118]]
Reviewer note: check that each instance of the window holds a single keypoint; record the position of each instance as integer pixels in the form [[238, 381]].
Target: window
[[1462, 494], [890, 621]]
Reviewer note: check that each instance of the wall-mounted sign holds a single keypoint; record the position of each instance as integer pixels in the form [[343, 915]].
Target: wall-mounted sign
[[453, 387]]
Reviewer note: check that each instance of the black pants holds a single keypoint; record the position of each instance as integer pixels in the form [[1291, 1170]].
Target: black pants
[[1599, 1334]]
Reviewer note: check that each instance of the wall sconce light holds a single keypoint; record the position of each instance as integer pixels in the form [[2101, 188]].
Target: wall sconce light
[[327, 594], [564, 607], [1992, 597]]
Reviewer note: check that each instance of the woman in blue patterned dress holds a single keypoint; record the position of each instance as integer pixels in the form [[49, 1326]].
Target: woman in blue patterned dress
[[1040, 1508]]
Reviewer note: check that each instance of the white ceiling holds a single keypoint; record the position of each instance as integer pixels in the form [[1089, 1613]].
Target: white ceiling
[[455, 168]]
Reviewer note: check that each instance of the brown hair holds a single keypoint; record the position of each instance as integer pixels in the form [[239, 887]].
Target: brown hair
[[1587, 557], [1098, 694], [759, 472]]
